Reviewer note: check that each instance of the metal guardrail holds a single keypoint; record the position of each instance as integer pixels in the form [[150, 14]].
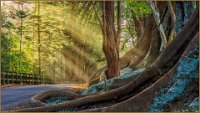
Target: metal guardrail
[[23, 78]]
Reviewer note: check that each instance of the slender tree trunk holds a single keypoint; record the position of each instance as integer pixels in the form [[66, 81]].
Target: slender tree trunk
[[110, 40], [139, 28], [136, 54], [160, 27], [21, 36], [173, 20], [0, 43], [153, 52], [39, 46]]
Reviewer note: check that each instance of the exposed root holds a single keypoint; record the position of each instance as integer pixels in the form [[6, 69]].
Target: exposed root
[[142, 100], [105, 96]]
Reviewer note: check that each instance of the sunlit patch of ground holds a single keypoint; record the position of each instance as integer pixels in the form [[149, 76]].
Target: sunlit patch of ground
[[78, 86]]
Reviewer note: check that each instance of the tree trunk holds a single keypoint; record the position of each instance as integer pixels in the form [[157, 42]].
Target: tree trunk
[[137, 53], [160, 27], [139, 28], [153, 52], [110, 41], [173, 20], [95, 79], [39, 47], [119, 29], [21, 36]]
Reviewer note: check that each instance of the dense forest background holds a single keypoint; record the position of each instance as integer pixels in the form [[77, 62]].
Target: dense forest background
[[59, 38]]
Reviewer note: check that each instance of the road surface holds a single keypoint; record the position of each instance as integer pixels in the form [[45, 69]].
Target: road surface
[[12, 96]]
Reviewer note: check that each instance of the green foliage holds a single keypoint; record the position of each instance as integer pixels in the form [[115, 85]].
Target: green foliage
[[8, 25], [140, 8], [81, 19], [21, 14], [12, 60], [10, 56]]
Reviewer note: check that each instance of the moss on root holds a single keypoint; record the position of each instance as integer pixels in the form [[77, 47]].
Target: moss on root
[[187, 71], [100, 86]]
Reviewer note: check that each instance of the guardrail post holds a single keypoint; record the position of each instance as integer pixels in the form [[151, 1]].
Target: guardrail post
[[8, 76], [16, 78], [42, 78], [3, 77], [12, 77]]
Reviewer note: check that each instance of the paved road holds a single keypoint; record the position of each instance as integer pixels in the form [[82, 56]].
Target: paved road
[[15, 95]]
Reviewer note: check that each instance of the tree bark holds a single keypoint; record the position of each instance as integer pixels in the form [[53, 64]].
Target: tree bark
[[110, 41], [119, 29], [139, 28], [139, 52], [153, 52], [161, 30]]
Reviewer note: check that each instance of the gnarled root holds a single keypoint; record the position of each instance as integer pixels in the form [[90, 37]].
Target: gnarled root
[[142, 100], [105, 96]]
